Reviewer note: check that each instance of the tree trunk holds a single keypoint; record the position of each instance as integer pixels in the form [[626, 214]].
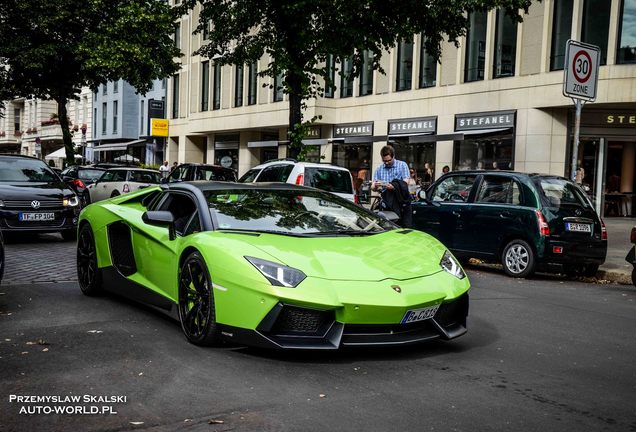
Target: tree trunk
[[66, 131], [295, 114]]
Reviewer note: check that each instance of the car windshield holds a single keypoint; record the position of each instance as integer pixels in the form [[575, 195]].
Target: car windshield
[[558, 193], [329, 180], [25, 170], [215, 173], [291, 212], [89, 174], [249, 176]]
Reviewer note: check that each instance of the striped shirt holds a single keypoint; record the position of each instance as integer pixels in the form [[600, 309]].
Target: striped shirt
[[399, 170]]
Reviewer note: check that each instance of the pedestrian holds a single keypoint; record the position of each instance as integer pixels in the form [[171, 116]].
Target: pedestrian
[[164, 169], [174, 166], [391, 179], [446, 169]]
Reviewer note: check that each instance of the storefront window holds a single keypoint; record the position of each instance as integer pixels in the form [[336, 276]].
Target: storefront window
[[627, 37], [505, 45], [313, 154], [356, 158], [428, 68], [484, 152], [420, 157], [404, 66], [561, 31], [226, 151], [476, 47], [595, 29]]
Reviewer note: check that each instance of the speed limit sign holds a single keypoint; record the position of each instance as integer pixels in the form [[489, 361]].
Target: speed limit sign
[[581, 70]]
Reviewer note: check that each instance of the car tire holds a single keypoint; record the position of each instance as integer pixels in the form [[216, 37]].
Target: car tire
[[571, 270], [518, 259], [69, 235], [89, 275], [197, 312], [590, 270]]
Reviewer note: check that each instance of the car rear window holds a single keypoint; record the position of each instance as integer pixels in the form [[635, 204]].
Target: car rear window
[[145, 177], [557, 192], [217, 174], [89, 174], [330, 180]]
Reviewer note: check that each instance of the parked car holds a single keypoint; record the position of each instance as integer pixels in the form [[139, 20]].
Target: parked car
[[117, 181], [254, 264], [34, 199], [524, 221], [327, 177], [194, 171], [1, 256], [631, 255], [79, 177]]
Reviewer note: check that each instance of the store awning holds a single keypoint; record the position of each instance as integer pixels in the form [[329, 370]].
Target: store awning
[[256, 144], [60, 153], [359, 139], [118, 146], [418, 139], [316, 141], [485, 131]]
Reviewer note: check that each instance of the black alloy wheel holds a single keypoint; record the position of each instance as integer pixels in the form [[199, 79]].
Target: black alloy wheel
[[88, 274], [196, 302]]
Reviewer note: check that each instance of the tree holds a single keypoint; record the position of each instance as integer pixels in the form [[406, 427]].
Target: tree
[[300, 35], [49, 49]]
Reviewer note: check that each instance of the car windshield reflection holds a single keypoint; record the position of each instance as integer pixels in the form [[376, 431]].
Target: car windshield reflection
[[292, 212]]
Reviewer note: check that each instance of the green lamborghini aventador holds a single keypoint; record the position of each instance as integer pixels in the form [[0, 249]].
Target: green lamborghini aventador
[[272, 265]]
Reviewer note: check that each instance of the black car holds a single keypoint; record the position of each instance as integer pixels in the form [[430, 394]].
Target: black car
[[79, 177], [523, 221], [1, 256], [34, 199], [194, 171]]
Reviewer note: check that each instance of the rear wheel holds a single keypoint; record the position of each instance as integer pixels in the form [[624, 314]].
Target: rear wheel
[[518, 259], [196, 302], [88, 274]]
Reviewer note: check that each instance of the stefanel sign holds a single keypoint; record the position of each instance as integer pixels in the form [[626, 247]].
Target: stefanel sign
[[420, 125], [489, 120], [353, 129]]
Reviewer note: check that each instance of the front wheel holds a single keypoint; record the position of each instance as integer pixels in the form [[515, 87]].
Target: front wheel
[[88, 274], [518, 259], [196, 302]]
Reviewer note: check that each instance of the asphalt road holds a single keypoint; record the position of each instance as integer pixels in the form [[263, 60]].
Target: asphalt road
[[545, 354]]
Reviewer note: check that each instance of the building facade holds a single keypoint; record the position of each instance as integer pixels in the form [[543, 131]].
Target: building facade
[[121, 123], [494, 102]]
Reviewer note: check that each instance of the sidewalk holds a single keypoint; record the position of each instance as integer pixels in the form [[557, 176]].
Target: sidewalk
[[616, 269]]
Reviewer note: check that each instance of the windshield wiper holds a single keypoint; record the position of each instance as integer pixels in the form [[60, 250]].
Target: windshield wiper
[[257, 231], [344, 232]]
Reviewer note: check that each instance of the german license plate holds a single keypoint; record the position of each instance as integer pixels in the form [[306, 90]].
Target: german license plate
[[36, 217], [577, 227], [419, 314]]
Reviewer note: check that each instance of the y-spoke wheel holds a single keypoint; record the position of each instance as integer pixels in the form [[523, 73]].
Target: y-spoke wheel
[[88, 274], [196, 302], [518, 259]]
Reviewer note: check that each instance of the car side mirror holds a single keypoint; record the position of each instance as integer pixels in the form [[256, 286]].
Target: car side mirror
[[160, 218]]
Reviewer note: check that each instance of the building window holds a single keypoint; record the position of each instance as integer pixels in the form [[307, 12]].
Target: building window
[[205, 85], [595, 28], [95, 94], [177, 35], [141, 118], [175, 96], [216, 90], [104, 112], [206, 30], [366, 75], [238, 85], [330, 71], [346, 80], [95, 123], [626, 52], [115, 112], [428, 67], [505, 45], [475, 47], [163, 84], [278, 87], [561, 32], [84, 109], [404, 66], [16, 119], [115, 86], [105, 89], [252, 83]]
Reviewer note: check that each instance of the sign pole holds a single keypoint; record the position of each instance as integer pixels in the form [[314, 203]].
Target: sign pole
[[578, 103]]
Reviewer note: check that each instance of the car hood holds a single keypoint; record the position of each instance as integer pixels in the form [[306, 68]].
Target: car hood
[[29, 191], [399, 254]]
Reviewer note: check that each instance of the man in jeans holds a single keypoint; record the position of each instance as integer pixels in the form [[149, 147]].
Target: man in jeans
[[383, 181]]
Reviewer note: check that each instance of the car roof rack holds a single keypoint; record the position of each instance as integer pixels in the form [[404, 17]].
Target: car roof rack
[[281, 159]]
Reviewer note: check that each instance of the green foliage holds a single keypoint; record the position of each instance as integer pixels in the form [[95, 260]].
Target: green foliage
[[300, 34], [53, 48]]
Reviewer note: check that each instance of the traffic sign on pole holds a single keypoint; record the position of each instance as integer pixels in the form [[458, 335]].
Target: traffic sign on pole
[[581, 70]]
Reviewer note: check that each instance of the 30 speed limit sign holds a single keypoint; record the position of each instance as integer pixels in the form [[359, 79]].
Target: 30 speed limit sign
[[581, 70]]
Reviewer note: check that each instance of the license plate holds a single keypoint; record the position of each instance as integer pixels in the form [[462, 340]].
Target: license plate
[[419, 314], [36, 217], [577, 227]]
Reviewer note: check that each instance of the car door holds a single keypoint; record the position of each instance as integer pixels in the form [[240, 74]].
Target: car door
[[116, 185], [442, 215], [98, 190]]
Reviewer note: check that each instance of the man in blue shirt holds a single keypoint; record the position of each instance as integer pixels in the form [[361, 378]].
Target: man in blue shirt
[[390, 169]]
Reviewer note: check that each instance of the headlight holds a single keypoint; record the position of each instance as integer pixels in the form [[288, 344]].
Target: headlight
[[70, 201], [449, 264], [277, 274]]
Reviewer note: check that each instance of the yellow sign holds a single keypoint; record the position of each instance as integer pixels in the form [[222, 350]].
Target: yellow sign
[[159, 127]]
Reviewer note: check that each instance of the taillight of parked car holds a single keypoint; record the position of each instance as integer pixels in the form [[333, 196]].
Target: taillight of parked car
[[604, 231], [544, 228], [126, 188], [79, 183], [300, 180]]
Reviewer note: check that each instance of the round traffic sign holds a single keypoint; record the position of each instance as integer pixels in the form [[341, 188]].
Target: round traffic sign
[[582, 66]]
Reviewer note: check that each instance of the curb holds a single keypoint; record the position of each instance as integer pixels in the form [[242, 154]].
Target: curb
[[614, 276]]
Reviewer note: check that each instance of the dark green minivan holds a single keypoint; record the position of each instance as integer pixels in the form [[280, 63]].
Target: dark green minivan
[[523, 221]]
